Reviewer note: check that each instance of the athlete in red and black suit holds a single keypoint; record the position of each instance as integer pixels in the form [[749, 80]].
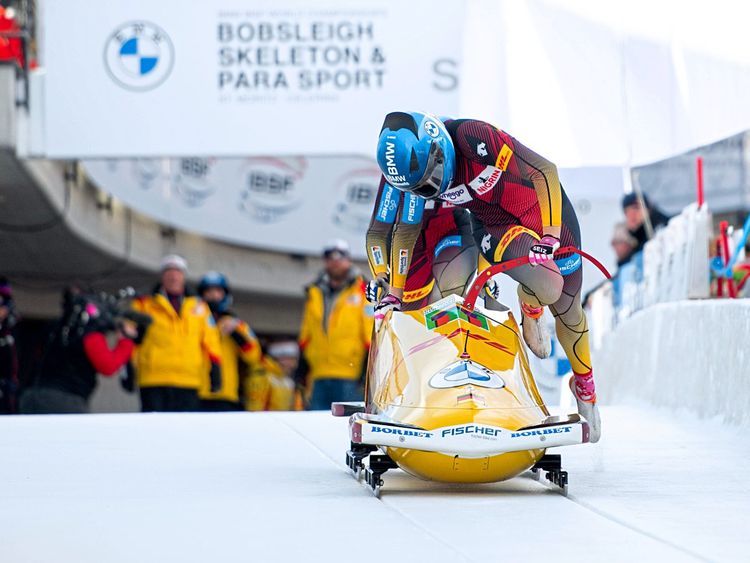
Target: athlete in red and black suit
[[518, 208]]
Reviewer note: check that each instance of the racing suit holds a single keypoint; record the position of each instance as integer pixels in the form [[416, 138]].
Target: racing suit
[[515, 197]]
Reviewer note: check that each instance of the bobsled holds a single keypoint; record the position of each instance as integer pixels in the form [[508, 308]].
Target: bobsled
[[450, 396]]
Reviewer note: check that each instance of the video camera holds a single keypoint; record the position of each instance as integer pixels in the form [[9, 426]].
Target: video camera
[[101, 312]]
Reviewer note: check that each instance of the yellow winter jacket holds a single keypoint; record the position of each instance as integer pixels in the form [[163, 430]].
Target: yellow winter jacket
[[231, 354], [176, 347], [336, 348], [268, 388]]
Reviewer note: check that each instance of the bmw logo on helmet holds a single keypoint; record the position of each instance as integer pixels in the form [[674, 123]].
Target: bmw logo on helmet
[[139, 55], [415, 153]]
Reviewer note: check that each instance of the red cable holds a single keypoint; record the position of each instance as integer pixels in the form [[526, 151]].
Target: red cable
[[482, 278]]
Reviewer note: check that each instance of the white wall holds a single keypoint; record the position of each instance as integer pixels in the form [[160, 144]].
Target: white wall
[[691, 355]]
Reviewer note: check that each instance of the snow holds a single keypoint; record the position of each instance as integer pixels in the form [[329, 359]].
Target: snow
[[273, 487]]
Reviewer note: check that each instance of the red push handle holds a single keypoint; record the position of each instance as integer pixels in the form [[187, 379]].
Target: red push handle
[[482, 278]]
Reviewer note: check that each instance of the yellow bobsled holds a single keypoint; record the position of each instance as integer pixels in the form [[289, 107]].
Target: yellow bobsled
[[450, 397]]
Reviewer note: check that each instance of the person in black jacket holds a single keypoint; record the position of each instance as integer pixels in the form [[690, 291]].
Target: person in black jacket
[[635, 219], [76, 351]]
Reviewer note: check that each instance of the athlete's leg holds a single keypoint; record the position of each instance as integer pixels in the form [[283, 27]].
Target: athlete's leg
[[571, 326], [454, 267], [573, 333], [419, 281], [538, 287], [544, 285]]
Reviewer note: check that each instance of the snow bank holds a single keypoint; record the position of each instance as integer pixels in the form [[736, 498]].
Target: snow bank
[[687, 354]]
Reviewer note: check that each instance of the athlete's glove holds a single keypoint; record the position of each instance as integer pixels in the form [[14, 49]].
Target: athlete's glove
[[375, 288], [388, 303], [543, 250]]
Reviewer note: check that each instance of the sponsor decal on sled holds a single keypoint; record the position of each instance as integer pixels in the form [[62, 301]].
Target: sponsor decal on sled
[[437, 319], [540, 432], [400, 431], [470, 396], [464, 373], [471, 429]]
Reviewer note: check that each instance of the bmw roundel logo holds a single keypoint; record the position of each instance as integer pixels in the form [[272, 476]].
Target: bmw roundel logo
[[432, 128], [139, 55]]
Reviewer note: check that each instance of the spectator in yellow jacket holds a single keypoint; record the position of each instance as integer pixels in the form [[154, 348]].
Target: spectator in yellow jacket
[[270, 386], [239, 345], [336, 331], [170, 363]]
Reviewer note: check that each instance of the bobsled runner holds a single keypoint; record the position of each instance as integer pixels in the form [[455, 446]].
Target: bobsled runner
[[449, 396]]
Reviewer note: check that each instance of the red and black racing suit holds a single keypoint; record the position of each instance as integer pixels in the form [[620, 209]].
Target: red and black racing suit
[[515, 197]]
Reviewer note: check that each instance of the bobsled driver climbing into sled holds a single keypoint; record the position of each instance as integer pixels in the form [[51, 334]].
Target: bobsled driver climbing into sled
[[432, 169]]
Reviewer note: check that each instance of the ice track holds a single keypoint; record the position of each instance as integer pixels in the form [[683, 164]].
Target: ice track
[[274, 487]]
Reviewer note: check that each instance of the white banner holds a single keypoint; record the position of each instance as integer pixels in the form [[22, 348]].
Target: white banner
[[237, 78], [291, 204]]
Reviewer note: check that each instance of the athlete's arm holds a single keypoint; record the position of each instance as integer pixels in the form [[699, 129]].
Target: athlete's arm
[[408, 226], [543, 174], [381, 227]]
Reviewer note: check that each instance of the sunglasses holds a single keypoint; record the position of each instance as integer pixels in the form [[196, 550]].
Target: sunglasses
[[335, 255]]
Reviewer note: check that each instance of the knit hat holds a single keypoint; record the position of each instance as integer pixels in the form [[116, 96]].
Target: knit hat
[[632, 199], [173, 262]]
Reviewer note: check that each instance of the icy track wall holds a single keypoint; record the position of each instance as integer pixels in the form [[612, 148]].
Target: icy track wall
[[686, 354]]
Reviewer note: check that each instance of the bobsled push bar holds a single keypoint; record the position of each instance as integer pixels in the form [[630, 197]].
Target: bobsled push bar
[[347, 408], [470, 440], [484, 277]]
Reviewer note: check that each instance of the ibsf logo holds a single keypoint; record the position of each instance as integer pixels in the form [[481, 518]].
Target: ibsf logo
[[139, 55], [270, 187], [356, 191], [146, 172], [192, 180]]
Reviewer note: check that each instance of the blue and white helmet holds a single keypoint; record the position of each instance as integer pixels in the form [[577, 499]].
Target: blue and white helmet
[[416, 153], [216, 279]]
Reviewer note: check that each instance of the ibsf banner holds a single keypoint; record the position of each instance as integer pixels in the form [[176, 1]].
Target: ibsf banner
[[287, 204], [134, 78]]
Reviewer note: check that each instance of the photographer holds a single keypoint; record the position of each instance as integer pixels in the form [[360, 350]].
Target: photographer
[[77, 350]]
